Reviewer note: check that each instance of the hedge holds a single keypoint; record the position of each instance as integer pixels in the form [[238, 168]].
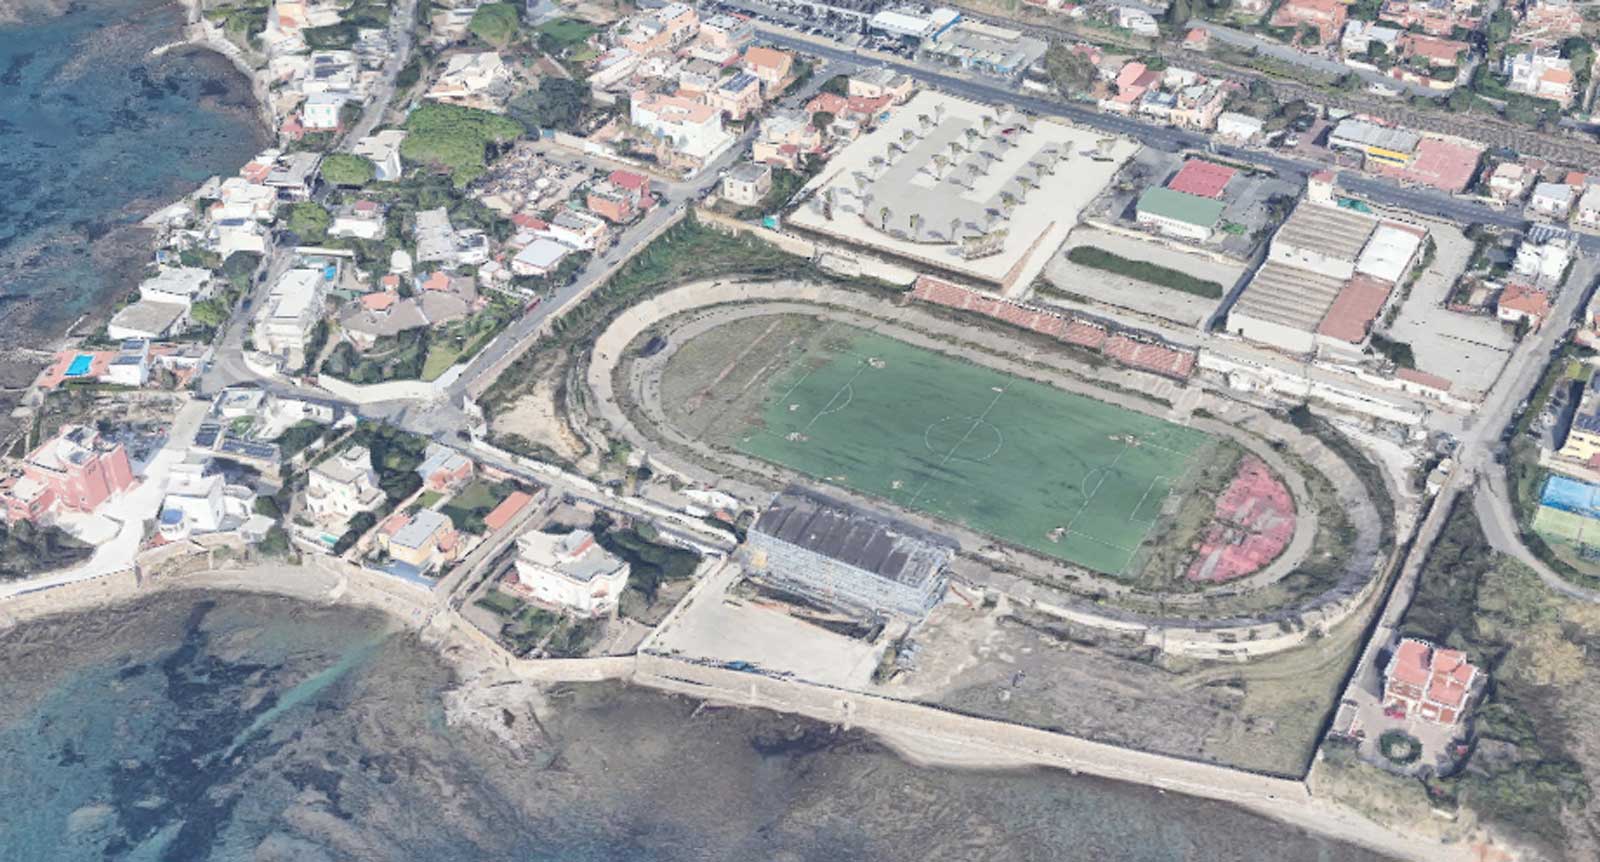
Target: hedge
[[1098, 258]]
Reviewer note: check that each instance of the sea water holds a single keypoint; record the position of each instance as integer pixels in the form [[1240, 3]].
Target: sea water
[[211, 726], [95, 133]]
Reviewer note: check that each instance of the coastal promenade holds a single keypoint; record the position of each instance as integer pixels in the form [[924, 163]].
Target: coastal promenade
[[492, 678]]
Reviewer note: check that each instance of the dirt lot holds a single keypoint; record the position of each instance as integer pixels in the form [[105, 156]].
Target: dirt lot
[[536, 416], [1020, 665], [1131, 294]]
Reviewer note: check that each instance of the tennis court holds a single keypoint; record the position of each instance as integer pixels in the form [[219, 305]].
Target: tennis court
[[1067, 476]]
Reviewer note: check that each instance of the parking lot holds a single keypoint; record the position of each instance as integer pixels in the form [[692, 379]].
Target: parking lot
[[843, 21]]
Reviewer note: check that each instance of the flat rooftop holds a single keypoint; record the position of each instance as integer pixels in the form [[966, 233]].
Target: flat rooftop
[[1350, 317]]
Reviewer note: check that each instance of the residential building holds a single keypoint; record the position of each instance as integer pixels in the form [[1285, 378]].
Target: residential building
[[540, 257], [199, 501], [688, 127], [1544, 75], [786, 137], [747, 184], [383, 150], [1355, 45], [727, 33], [1547, 23], [771, 67], [131, 366], [879, 82], [1239, 127], [76, 471], [343, 486], [443, 468], [666, 29], [1509, 182], [1327, 17], [183, 285], [294, 175], [1543, 257], [1429, 683], [480, 80], [1434, 17], [1138, 21], [1551, 201], [1521, 302], [291, 310], [1587, 215], [149, 320], [320, 111], [578, 229], [362, 219], [1178, 214], [1197, 106], [737, 97], [620, 197], [569, 572], [420, 542], [839, 554]]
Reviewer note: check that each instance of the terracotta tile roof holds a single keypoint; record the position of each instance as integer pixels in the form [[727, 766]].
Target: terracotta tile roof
[[1410, 664], [1422, 378], [508, 509], [1525, 299], [379, 301]]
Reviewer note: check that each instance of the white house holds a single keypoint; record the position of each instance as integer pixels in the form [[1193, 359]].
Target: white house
[[292, 308], [362, 220], [577, 229], [540, 257], [1587, 216], [320, 111], [689, 127], [1239, 127], [1551, 201], [383, 150], [201, 502], [571, 572], [342, 487], [183, 285]]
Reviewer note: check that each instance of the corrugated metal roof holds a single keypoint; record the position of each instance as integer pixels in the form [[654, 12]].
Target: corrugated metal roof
[[883, 546]]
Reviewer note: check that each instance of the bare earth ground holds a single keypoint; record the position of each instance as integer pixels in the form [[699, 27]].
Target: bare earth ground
[[1019, 665], [536, 416]]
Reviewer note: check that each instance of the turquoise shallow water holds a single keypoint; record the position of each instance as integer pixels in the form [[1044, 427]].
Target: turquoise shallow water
[[223, 727], [95, 133]]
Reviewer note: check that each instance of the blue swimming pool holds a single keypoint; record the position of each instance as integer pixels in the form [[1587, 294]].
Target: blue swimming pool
[[80, 365]]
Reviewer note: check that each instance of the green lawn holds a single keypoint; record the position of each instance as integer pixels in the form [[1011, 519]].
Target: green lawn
[[1064, 475], [467, 509], [567, 31]]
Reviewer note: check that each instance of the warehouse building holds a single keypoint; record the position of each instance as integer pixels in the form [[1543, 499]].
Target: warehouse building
[[1179, 214], [1377, 144], [839, 554], [1310, 265]]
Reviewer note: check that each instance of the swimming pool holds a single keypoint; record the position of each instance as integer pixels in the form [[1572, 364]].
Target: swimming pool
[[80, 365]]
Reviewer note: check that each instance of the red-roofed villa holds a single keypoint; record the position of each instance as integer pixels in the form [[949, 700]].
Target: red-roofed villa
[[1429, 683]]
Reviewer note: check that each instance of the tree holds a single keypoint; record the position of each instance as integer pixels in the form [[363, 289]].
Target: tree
[[559, 103], [883, 219], [1069, 70], [309, 221], [822, 119], [1177, 15], [916, 225], [495, 23], [208, 312], [347, 169], [239, 267], [838, 85], [455, 139]]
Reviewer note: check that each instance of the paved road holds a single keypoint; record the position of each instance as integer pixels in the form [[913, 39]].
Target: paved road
[[1492, 500], [383, 90]]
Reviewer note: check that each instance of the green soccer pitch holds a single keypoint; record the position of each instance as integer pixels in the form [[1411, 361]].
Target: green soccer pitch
[[1067, 476]]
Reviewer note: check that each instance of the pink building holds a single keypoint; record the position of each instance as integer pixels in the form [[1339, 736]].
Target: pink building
[[76, 471]]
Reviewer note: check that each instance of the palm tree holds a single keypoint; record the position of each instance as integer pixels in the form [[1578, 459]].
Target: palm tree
[[827, 204], [883, 219], [907, 136], [971, 135], [940, 162], [988, 124], [938, 112], [1027, 184], [955, 148], [972, 171], [955, 225], [916, 226], [1008, 202], [877, 163], [924, 121]]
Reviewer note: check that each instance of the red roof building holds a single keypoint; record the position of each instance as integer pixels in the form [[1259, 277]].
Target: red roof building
[[1519, 302], [1202, 178], [1431, 684], [1350, 317], [509, 508]]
